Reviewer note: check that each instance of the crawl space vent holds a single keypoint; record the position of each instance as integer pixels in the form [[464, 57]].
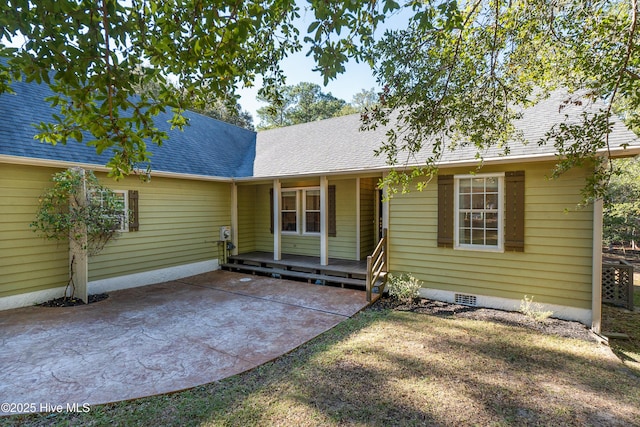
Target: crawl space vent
[[466, 299]]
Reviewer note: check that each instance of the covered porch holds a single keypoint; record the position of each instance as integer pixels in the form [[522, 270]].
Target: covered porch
[[330, 219], [322, 230]]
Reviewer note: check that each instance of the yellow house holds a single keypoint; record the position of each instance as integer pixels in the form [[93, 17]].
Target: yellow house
[[484, 237]]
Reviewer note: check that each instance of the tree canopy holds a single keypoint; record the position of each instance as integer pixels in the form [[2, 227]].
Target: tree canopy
[[226, 109], [622, 213], [301, 103], [94, 55], [305, 102], [460, 71]]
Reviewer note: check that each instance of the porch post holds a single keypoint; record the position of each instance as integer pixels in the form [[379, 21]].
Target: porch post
[[324, 220], [277, 226], [596, 268], [358, 224], [234, 218]]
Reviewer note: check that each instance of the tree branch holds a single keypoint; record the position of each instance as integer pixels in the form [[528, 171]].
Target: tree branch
[[623, 68], [107, 57]]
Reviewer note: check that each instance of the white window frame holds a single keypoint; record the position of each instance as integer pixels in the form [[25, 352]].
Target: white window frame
[[300, 211], [305, 210], [296, 210], [500, 212], [124, 224]]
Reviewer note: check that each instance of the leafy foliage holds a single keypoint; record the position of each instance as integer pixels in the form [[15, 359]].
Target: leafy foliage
[[301, 103], [622, 210], [94, 55], [458, 75], [226, 109], [403, 287], [77, 206], [462, 72], [534, 310]]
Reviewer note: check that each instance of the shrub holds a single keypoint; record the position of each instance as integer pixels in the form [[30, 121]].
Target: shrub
[[534, 310], [404, 287], [81, 211], [78, 207]]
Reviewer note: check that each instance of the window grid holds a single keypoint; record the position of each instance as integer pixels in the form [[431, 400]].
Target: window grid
[[289, 211], [479, 212], [311, 211], [122, 204]]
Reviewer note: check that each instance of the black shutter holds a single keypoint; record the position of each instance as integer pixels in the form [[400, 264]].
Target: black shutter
[[445, 211], [134, 221], [271, 210], [514, 211], [332, 211]]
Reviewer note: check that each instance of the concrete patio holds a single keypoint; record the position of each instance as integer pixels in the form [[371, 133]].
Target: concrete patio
[[161, 338]]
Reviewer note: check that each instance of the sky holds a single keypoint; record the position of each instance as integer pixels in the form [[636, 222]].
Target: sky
[[298, 68]]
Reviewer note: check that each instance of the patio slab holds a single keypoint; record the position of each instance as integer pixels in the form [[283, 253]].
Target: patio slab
[[160, 338]]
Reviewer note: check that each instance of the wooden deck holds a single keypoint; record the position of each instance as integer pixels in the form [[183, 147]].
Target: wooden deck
[[346, 273]]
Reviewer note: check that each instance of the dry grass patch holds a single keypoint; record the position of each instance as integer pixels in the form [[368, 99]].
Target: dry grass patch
[[619, 320], [386, 367]]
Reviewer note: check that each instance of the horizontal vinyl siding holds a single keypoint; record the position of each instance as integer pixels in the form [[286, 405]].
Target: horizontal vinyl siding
[[179, 224], [343, 246], [28, 263], [246, 222], [554, 268], [262, 219]]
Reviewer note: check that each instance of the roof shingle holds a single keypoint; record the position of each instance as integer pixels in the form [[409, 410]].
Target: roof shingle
[[337, 144], [206, 147]]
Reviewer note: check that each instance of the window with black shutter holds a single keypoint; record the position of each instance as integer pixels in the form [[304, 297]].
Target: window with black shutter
[[481, 211]]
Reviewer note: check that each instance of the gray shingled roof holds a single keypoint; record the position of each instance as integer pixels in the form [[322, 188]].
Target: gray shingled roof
[[212, 148], [206, 147], [337, 145]]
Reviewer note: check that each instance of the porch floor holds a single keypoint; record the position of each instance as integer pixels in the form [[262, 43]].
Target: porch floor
[[339, 271]]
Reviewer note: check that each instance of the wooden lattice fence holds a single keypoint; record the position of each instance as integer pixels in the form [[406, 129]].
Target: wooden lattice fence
[[617, 283]]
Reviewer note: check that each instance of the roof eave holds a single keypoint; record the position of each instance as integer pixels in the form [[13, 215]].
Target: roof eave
[[63, 164], [501, 160]]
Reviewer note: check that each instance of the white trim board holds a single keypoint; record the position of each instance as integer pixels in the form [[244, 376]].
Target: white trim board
[[150, 277], [581, 315], [113, 283], [30, 298]]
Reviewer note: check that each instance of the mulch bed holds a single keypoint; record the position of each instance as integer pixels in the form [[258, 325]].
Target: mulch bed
[[548, 326], [71, 302]]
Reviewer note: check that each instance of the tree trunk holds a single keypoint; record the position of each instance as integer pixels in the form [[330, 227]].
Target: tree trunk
[[79, 265]]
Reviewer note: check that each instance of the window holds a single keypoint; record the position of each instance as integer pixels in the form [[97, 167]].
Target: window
[[123, 209], [467, 215], [311, 211], [290, 211], [120, 208], [479, 210]]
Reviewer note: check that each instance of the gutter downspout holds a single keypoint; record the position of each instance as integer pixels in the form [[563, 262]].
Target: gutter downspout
[[234, 218]]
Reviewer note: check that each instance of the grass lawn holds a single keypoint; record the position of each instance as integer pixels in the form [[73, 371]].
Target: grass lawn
[[619, 320], [384, 368]]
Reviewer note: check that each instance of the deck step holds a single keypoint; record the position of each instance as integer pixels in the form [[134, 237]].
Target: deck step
[[297, 265], [295, 274]]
